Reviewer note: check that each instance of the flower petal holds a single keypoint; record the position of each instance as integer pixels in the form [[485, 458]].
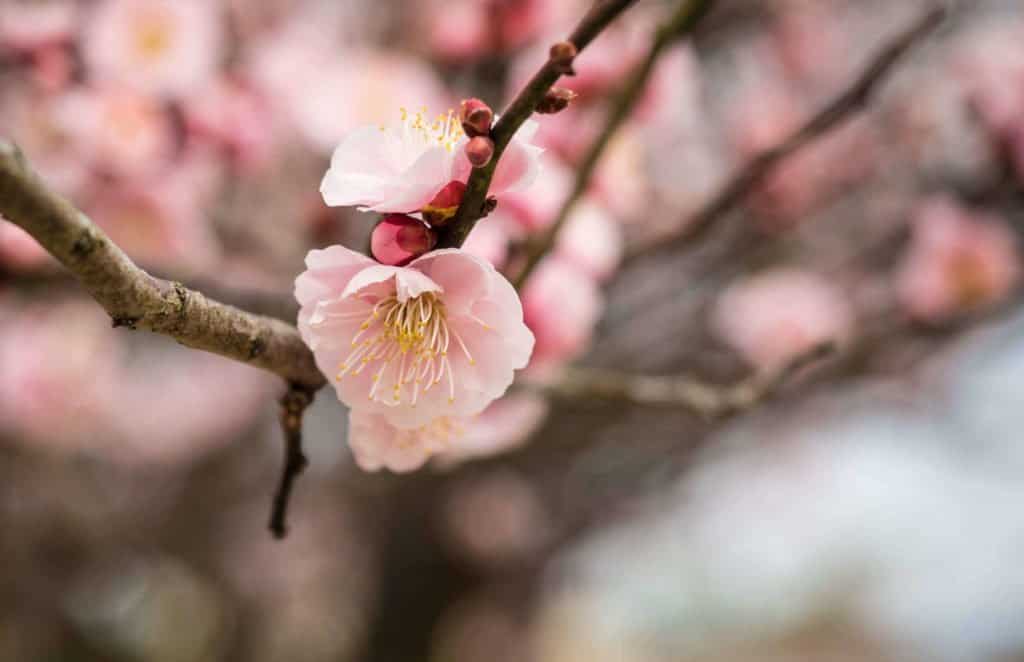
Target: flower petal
[[409, 283], [418, 184]]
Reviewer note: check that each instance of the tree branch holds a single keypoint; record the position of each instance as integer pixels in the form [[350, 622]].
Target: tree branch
[[293, 406], [707, 400], [679, 25], [472, 208], [848, 102], [137, 300]]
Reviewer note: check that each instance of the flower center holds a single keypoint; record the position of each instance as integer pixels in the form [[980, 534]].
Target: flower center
[[405, 344], [152, 37], [445, 130]]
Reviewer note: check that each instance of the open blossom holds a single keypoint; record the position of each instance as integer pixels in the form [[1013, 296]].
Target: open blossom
[[562, 305], [29, 26], [440, 337], [119, 131], [591, 240], [505, 424], [377, 444], [777, 315], [957, 261], [158, 46], [401, 167]]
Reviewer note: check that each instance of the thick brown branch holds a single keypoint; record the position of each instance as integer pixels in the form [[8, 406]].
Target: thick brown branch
[[679, 25], [134, 298], [293, 406], [517, 112], [707, 400], [847, 103]]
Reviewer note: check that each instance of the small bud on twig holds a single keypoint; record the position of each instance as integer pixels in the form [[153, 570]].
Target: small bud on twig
[[476, 117], [479, 151], [562, 55], [555, 100], [399, 239]]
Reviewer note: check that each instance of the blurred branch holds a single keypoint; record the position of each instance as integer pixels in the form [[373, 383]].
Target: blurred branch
[[708, 400], [473, 204], [293, 406], [848, 102], [137, 300], [682, 22]]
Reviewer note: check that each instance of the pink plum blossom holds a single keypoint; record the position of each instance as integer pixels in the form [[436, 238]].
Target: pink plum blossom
[[159, 222], [377, 444], [157, 46], [440, 337], [464, 29], [810, 42], [119, 131], [766, 114], [229, 113], [957, 261], [57, 360], [325, 94], [561, 305], [506, 424], [399, 239], [591, 240], [497, 518], [46, 130], [401, 167], [33, 25], [777, 315], [990, 67], [534, 208], [143, 405], [489, 240]]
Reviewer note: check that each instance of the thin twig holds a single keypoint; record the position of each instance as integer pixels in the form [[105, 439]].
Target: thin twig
[[293, 405], [473, 204], [707, 400], [840, 108], [682, 22], [135, 299]]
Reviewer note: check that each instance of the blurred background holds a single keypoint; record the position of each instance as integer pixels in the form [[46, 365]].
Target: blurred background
[[872, 510]]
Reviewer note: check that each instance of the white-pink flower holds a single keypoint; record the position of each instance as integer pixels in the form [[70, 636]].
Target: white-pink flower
[[777, 315], [440, 337], [562, 304], [957, 261], [399, 168], [505, 424], [158, 46], [377, 444]]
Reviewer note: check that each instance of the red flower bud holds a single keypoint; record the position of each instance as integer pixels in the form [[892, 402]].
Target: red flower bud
[[479, 151], [562, 55], [399, 239], [476, 117], [555, 100], [444, 205]]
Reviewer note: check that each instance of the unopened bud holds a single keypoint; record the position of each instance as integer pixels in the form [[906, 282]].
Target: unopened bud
[[555, 100], [479, 151], [562, 55], [399, 239], [442, 208], [476, 117]]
